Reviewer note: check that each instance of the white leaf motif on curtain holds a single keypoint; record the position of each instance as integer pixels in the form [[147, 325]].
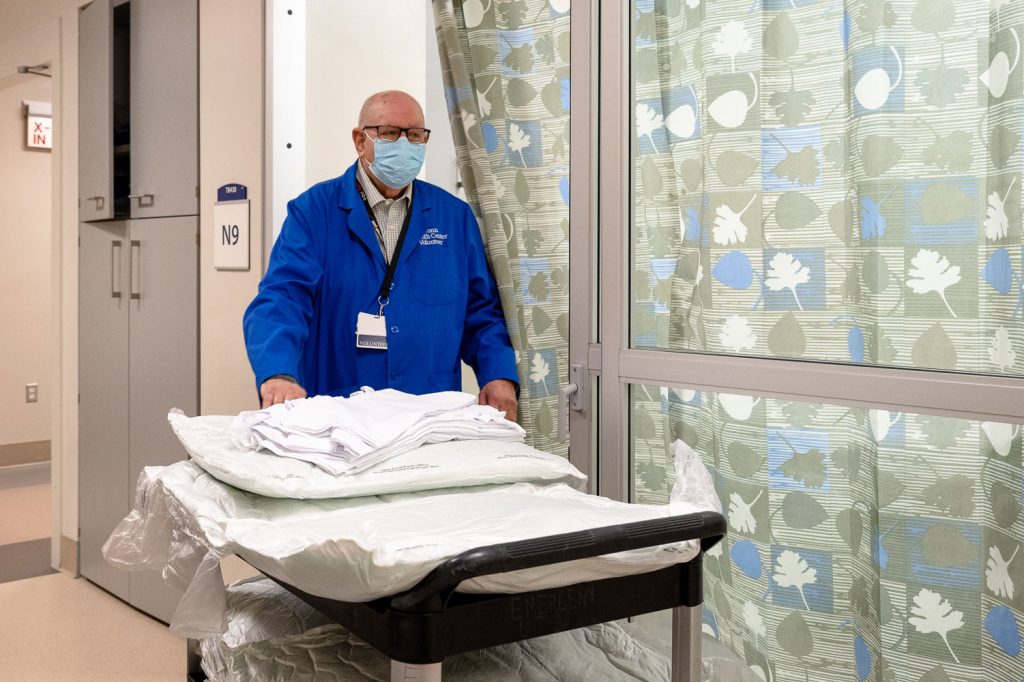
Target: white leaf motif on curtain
[[539, 368], [482, 102], [729, 109], [682, 122], [1000, 352], [647, 121], [739, 407], [715, 551], [732, 39], [996, 223], [736, 334], [518, 140], [997, 76], [499, 188], [468, 121], [473, 12], [932, 613], [786, 272], [753, 619], [873, 88], [728, 227], [997, 572], [880, 422], [931, 271], [792, 571], [694, 4], [740, 516]]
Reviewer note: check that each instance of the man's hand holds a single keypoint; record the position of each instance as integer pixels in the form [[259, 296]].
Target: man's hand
[[501, 395], [274, 391]]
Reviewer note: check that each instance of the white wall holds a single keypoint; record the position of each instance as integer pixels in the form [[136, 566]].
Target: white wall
[[354, 49], [230, 150]]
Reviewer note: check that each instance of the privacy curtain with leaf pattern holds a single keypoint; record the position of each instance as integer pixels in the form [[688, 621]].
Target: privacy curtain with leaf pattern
[[830, 180], [505, 65], [838, 181]]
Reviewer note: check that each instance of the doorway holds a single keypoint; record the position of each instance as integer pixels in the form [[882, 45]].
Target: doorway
[[26, 385]]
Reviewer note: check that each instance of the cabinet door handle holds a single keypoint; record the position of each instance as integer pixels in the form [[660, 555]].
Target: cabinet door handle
[[136, 270], [115, 268], [99, 201], [143, 199]]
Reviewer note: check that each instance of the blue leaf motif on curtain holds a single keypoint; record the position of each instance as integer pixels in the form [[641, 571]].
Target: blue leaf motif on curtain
[[881, 555], [490, 135], [862, 655], [872, 223], [855, 343], [998, 271], [1002, 626], [734, 270], [745, 555], [691, 223]]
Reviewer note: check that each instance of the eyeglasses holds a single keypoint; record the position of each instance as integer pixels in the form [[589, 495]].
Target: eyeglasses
[[392, 133]]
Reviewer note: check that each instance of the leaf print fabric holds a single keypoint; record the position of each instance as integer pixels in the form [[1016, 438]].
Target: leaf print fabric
[[932, 613], [786, 272], [866, 540], [885, 159], [930, 271], [505, 65], [862, 134], [792, 571], [997, 572], [883, 175]]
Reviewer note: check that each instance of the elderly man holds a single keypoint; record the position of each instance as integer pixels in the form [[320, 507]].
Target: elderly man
[[379, 280]]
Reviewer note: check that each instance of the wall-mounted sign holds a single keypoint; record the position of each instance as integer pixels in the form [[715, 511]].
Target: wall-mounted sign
[[231, 228], [38, 124]]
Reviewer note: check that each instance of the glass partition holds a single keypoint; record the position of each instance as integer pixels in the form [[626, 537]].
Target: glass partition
[[826, 184], [859, 539]]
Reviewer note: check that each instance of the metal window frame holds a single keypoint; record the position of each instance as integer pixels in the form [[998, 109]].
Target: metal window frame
[[601, 177]]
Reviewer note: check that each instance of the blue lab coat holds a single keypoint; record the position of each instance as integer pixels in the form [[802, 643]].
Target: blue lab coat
[[327, 266]]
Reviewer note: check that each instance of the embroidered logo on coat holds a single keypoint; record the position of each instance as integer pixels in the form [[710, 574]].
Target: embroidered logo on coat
[[433, 237]]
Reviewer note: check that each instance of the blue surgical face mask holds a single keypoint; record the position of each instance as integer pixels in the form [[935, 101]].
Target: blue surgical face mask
[[397, 163]]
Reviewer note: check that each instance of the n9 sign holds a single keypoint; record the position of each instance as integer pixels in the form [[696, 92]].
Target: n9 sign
[[229, 235]]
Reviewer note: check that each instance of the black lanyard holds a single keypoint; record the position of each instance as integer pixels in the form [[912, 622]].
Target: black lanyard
[[389, 274]]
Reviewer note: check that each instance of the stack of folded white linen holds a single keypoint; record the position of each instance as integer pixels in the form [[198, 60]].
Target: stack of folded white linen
[[349, 435]]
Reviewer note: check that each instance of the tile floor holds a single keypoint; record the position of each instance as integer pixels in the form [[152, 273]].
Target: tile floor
[[55, 629]]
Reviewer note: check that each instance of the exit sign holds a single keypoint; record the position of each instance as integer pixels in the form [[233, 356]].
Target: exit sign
[[38, 124]]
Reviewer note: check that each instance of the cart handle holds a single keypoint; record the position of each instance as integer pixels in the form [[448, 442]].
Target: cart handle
[[708, 527]]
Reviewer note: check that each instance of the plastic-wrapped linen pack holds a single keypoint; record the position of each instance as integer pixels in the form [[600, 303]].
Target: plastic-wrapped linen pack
[[355, 549], [272, 635], [443, 465]]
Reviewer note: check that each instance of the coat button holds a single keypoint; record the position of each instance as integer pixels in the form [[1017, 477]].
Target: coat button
[[394, 375], [394, 329]]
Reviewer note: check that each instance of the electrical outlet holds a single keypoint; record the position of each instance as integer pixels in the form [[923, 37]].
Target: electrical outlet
[[31, 393]]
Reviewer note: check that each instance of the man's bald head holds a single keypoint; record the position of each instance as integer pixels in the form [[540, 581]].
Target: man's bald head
[[391, 107]]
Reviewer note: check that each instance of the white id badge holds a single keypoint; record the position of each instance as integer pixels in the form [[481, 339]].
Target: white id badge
[[371, 332]]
